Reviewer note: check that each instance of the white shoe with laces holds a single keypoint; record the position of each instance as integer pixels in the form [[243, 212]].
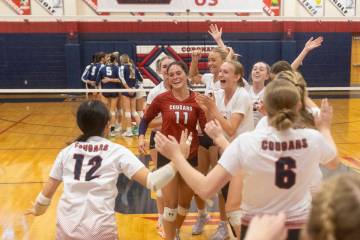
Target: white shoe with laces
[[198, 227]]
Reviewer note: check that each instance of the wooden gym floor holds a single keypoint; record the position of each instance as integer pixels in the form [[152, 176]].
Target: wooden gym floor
[[32, 133]]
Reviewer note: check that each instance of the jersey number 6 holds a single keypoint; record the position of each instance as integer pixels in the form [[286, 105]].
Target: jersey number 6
[[95, 162], [285, 177]]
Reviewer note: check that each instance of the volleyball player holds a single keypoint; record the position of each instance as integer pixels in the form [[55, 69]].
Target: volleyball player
[[110, 79], [162, 87], [94, 71], [279, 162], [129, 75], [85, 75], [89, 168], [179, 111]]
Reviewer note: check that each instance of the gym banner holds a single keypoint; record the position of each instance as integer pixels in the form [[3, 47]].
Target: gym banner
[[180, 5], [21, 7], [314, 7], [54, 7], [272, 7], [345, 7], [93, 4]]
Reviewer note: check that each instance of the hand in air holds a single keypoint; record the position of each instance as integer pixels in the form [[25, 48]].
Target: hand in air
[[213, 129], [169, 147], [313, 43], [185, 143], [267, 227], [215, 32], [196, 54], [324, 119], [206, 103]]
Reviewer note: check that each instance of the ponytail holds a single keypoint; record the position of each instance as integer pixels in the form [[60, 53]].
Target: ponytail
[[284, 119]]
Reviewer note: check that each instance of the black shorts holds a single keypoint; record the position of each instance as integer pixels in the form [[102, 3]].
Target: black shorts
[[88, 86], [152, 139], [111, 94], [162, 161], [293, 234], [129, 95], [225, 191], [205, 141]]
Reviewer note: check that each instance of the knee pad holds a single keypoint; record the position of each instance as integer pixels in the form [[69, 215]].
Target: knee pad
[[127, 114], [141, 114], [182, 211], [113, 113], [170, 214], [159, 193], [134, 114]]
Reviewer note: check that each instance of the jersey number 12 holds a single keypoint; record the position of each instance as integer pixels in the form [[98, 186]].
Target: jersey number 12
[[95, 162]]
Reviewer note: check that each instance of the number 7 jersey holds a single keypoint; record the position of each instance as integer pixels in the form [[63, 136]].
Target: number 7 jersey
[[178, 116], [90, 171]]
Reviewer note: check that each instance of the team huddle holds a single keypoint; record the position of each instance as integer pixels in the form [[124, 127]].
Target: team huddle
[[257, 145]]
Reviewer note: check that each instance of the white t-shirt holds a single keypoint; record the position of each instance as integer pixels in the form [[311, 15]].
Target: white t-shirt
[[241, 103], [256, 98], [90, 171], [157, 90], [279, 169]]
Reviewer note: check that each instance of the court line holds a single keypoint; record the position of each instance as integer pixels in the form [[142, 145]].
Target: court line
[[36, 124], [14, 124], [17, 183]]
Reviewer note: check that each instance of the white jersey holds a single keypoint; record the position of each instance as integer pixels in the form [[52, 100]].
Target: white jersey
[[241, 103], [256, 98], [90, 171], [279, 169], [157, 90], [211, 86]]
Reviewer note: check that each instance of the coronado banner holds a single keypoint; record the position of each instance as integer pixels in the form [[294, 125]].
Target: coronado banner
[[272, 7], [180, 5], [54, 7], [93, 4], [314, 7], [21, 7], [346, 7]]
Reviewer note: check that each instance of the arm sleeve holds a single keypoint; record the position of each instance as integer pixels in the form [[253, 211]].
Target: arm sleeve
[[58, 167], [152, 111], [231, 159], [128, 163], [121, 75]]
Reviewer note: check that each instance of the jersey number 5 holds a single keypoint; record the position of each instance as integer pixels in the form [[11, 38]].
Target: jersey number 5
[[186, 117], [95, 162], [285, 177]]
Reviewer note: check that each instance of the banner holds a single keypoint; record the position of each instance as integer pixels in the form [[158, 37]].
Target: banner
[[93, 4], [148, 55], [272, 7], [21, 7], [346, 7], [314, 7], [54, 7], [180, 5]]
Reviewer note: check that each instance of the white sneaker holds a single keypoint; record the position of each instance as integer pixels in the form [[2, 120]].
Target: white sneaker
[[118, 129], [198, 227], [221, 233], [112, 133], [127, 134]]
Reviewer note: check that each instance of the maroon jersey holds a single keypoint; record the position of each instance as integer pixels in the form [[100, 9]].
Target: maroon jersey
[[177, 116]]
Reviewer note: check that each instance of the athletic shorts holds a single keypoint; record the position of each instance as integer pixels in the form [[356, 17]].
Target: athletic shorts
[[129, 95], [110, 94], [162, 161], [205, 141]]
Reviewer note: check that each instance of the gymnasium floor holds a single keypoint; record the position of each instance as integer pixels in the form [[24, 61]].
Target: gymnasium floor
[[32, 133]]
